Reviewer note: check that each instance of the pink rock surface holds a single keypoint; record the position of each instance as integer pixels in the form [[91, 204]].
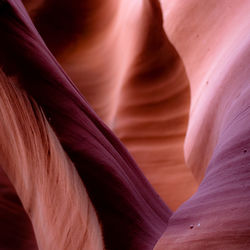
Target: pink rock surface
[[170, 78], [216, 55]]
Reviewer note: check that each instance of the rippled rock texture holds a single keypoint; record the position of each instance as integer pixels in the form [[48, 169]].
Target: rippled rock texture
[[114, 113]]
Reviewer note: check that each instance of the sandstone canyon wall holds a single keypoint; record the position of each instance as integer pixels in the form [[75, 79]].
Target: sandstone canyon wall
[[170, 79]]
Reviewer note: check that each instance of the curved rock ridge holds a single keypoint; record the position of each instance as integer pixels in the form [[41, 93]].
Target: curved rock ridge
[[132, 77], [152, 115], [207, 39], [94, 41], [170, 78], [48, 185], [217, 216], [132, 215]]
